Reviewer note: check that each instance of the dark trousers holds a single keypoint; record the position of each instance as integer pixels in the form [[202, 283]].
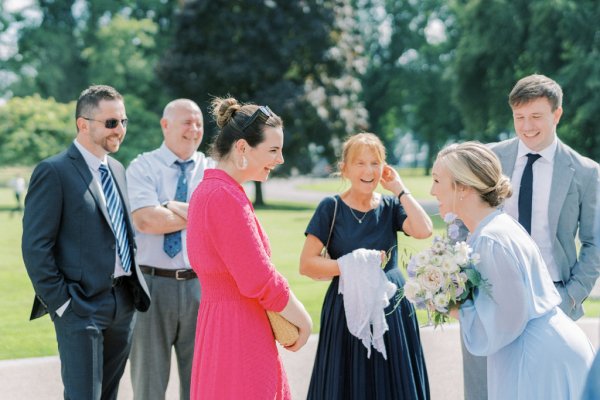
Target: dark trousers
[[94, 349]]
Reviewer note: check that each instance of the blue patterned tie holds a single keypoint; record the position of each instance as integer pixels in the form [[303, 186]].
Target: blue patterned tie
[[172, 243], [115, 211], [526, 192]]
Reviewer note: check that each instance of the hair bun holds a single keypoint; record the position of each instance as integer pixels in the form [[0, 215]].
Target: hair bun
[[223, 110]]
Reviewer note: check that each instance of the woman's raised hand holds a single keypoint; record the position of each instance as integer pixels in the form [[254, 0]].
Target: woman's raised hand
[[390, 180]]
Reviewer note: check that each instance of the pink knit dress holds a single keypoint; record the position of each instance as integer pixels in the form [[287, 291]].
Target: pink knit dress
[[235, 355]]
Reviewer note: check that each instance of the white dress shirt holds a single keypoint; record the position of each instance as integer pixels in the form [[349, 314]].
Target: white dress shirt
[[151, 180], [542, 183]]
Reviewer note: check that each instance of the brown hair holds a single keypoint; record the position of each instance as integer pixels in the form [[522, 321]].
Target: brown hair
[[533, 87], [230, 115], [353, 144], [88, 100], [474, 165]]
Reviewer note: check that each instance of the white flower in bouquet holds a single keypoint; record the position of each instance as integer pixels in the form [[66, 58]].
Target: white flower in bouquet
[[422, 258], [443, 276], [441, 301], [431, 279], [438, 245], [462, 251], [413, 291], [449, 265]]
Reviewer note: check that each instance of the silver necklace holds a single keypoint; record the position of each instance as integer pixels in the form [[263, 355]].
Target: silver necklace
[[360, 220]]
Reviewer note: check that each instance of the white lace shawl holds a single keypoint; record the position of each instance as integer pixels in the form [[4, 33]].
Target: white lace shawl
[[366, 292]]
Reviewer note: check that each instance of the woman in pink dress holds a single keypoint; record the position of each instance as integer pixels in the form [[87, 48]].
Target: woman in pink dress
[[235, 355]]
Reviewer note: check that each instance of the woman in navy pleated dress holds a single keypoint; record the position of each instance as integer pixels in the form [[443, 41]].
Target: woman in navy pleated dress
[[365, 219]]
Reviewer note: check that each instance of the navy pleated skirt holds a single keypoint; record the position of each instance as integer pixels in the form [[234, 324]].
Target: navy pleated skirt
[[342, 369]]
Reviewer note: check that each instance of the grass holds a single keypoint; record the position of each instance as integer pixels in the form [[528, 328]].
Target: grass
[[284, 223], [419, 186], [18, 337]]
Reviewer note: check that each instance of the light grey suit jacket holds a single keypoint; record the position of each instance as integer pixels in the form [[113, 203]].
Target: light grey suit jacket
[[573, 210]]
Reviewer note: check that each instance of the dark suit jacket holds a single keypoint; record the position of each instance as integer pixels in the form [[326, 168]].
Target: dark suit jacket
[[68, 245], [573, 212]]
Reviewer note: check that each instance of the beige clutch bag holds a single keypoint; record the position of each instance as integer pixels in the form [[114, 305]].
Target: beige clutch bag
[[284, 331]]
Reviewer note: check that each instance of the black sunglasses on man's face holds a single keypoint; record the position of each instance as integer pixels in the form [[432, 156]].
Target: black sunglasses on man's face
[[110, 123]]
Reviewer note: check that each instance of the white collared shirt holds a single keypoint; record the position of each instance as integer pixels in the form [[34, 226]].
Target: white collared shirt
[[93, 164], [151, 180], [542, 184]]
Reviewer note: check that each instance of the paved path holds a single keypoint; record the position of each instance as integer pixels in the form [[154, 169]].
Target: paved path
[[39, 378]]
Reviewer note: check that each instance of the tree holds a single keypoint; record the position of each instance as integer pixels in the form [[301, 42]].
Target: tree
[[407, 86], [32, 128], [501, 42], [269, 52], [64, 46], [54, 70]]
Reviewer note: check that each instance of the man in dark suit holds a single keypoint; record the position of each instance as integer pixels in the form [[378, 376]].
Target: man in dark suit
[[78, 247]]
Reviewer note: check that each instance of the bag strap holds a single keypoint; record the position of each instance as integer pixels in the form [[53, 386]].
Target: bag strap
[[332, 223]]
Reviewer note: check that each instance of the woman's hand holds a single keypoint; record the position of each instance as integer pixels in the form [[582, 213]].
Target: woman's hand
[[303, 335], [295, 312], [454, 312], [390, 180]]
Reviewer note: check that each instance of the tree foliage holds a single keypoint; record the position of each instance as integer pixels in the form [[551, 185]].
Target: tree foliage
[[328, 67], [503, 41], [407, 86], [279, 53], [65, 46], [34, 128]]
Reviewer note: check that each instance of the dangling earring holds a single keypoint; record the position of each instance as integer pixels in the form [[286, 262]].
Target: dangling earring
[[243, 165]]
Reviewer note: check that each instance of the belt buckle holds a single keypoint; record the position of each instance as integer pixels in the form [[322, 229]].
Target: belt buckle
[[177, 277]]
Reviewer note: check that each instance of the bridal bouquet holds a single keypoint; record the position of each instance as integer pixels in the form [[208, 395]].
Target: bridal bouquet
[[443, 275]]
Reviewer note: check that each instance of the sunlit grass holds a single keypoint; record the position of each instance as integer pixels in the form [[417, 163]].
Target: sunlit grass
[[284, 223]]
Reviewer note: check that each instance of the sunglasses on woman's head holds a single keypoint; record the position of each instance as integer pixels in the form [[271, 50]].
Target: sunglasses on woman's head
[[262, 114], [110, 123]]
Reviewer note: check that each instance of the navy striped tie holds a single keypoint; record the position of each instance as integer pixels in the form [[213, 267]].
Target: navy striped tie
[[115, 211]]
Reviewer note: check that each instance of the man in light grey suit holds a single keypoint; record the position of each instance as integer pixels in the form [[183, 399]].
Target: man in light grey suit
[[563, 205], [78, 247]]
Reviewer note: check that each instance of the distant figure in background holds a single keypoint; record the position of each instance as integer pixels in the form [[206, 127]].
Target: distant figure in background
[[160, 184], [18, 185], [78, 247]]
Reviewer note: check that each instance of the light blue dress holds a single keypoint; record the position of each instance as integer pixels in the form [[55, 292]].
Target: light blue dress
[[534, 350]]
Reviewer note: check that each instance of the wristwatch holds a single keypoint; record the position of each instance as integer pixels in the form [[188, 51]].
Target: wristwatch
[[402, 193]]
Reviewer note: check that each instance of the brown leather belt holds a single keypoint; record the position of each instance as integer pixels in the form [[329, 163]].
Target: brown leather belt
[[179, 274]]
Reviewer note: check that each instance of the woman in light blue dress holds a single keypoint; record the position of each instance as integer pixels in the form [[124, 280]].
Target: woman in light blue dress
[[534, 351]]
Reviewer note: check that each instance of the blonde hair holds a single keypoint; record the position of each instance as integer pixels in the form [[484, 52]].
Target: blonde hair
[[474, 165], [355, 143]]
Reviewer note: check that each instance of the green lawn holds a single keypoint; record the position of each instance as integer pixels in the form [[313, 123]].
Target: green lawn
[[284, 223], [18, 337], [419, 185]]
